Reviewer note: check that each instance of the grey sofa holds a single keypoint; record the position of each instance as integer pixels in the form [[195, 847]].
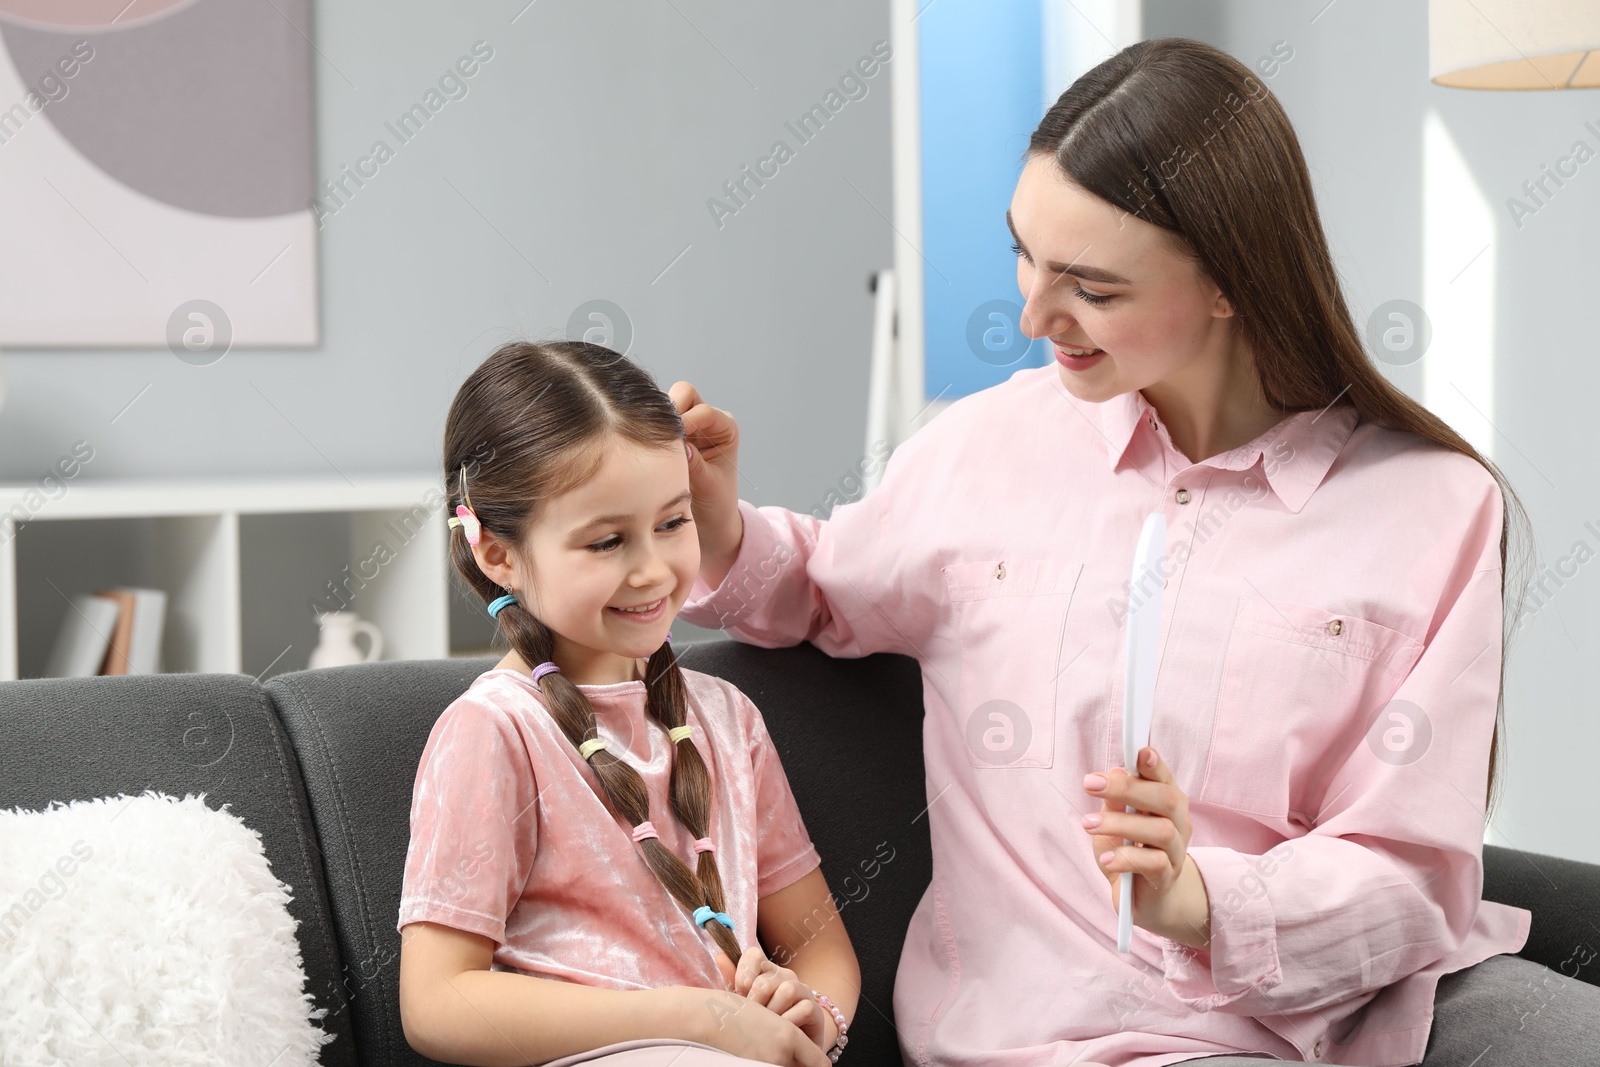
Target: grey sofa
[[321, 764]]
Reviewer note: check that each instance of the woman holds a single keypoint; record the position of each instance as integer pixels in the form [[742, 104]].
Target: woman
[[1308, 833]]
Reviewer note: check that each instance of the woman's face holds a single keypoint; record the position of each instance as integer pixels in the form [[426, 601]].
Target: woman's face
[[1095, 278], [621, 539]]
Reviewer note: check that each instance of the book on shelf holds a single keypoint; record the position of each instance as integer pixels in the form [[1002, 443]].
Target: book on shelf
[[84, 636], [109, 631], [135, 645]]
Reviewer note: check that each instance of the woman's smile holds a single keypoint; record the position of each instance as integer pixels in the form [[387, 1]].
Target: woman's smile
[[1078, 359]]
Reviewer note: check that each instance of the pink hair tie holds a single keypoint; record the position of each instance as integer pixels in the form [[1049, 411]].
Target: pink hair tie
[[644, 830], [703, 844]]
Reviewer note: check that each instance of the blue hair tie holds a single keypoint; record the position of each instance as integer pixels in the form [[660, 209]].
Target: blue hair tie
[[703, 914], [499, 602]]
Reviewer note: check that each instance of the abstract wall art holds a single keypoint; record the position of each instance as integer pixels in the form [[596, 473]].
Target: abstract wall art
[[156, 174]]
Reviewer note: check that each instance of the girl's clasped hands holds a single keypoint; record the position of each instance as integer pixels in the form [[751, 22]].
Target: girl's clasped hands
[[767, 1013], [780, 990]]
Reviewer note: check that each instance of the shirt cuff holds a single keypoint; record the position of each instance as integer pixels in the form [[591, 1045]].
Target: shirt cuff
[[789, 873], [474, 922], [728, 603], [1243, 954]]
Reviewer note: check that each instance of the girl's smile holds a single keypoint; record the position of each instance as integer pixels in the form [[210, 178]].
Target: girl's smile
[[649, 612]]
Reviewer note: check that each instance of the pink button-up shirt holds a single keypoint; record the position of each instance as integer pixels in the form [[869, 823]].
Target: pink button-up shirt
[[1330, 657]]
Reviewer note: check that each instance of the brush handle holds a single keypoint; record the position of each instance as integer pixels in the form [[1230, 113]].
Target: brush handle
[[1125, 913], [1141, 653]]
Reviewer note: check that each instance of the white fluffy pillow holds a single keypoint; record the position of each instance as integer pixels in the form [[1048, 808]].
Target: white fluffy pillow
[[147, 930]]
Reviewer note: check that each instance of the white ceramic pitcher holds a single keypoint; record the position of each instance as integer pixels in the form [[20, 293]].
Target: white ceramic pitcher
[[337, 644]]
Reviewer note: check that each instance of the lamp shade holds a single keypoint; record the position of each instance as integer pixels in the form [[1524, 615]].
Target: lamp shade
[[1514, 44]]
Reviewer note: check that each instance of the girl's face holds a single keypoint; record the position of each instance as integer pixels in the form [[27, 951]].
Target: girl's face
[[1093, 277], [619, 542]]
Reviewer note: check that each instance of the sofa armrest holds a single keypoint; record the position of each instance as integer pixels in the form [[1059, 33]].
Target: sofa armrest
[[1564, 897], [216, 735]]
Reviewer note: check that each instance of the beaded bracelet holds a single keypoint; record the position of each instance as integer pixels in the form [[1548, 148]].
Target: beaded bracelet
[[838, 1018]]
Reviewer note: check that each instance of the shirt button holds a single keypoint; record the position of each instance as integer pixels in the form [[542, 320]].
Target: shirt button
[[1152, 422], [1336, 627], [1316, 1050], [1000, 570], [1181, 496]]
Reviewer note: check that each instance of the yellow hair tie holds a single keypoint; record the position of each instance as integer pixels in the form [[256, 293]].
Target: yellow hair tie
[[678, 733], [591, 746]]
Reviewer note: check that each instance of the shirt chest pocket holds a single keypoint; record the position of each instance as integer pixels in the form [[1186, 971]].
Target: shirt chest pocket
[[1300, 687], [1010, 615]]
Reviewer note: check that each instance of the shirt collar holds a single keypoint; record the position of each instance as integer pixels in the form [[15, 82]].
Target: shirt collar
[[1315, 438]]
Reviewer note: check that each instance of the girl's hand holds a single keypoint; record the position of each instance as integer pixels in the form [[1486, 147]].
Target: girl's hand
[[732, 1023], [778, 988], [713, 480], [1169, 896]]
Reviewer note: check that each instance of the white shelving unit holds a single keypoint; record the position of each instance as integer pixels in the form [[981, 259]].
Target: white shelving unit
[[247, 564]]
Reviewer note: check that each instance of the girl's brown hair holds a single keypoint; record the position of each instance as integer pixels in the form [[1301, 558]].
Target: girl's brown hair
[[529, 424], [1182, 135]]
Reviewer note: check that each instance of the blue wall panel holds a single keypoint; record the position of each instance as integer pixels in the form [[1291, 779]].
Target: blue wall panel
[[981, 72]]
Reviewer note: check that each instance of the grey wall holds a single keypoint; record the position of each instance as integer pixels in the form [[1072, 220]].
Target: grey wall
[[1357, 91], [581, 160], [591, 142]]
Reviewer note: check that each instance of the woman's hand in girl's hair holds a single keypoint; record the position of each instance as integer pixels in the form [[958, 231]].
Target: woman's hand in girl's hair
[[1169, 896], [779, 989], [713, 478]]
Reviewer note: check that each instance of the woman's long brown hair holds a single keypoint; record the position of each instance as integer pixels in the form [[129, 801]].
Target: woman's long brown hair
[[530, 423], [1182, 135]]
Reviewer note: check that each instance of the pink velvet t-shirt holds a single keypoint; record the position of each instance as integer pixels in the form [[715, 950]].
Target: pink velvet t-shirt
[[511, 837], [1325, 696]]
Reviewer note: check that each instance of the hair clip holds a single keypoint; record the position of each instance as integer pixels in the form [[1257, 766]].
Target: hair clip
[[465, 519]]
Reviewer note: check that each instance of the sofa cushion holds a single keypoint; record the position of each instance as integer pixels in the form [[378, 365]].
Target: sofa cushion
[[849, 732], [68, 739], [148, 929], [359, 732]]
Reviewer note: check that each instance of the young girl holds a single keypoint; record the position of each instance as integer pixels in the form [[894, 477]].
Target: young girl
[[1307, 824], [598, 836]]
